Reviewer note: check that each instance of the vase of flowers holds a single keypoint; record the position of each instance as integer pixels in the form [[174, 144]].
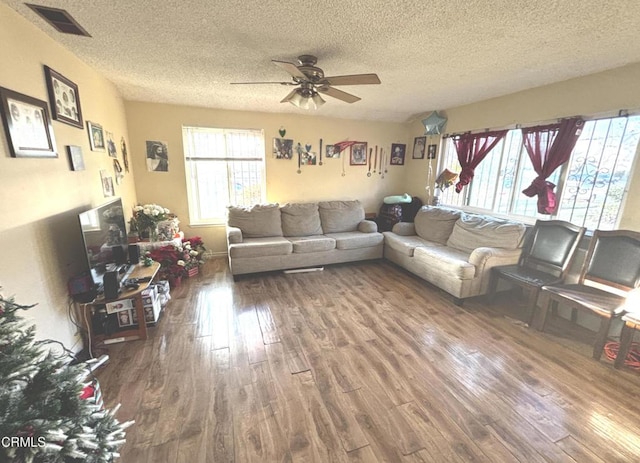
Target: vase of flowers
[[146, 218]]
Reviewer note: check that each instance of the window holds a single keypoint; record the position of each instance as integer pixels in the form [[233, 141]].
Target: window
[[591, 186], [224, 167]]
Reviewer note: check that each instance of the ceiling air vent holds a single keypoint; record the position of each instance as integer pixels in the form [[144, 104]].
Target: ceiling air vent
[[59, 19]]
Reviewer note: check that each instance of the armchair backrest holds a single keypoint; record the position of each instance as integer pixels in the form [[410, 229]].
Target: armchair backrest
[[613, 260], [551, 246]]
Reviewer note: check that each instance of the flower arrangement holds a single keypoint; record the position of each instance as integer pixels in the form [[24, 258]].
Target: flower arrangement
[[177, 261], [146, 217]]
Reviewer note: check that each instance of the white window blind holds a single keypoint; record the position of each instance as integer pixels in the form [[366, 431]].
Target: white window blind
[[224, 167]]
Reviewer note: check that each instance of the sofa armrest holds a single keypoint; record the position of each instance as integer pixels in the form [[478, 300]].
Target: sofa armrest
[[367, 226], [234, 235], [404, 229], [485, 258]]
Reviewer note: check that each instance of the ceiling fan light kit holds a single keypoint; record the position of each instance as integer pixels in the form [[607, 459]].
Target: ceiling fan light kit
[[312, 81]]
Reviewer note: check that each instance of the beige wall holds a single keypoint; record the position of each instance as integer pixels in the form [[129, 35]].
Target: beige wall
[[39, 232], [148, 121], [604, 93]]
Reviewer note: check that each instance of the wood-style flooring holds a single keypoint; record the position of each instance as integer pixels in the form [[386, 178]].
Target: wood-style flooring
[[362, 363]]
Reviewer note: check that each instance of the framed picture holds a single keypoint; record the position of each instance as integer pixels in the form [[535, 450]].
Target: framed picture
[[111, 145], [397, 154], [431, 151], [107, 183], [63, 98], [419, 144], [282, 148], [358, 154], [332, 151], [157, 156], [96, 136], [27, 125], [76, 161]]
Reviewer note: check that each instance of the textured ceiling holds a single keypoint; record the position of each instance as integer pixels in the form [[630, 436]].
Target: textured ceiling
[[429, 55]]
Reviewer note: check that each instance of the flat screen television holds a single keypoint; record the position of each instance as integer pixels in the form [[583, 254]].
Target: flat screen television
[[104, 234]]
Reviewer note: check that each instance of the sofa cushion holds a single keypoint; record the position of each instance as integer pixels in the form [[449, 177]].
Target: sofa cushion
[[475, 231], [302, 244], [260, 247], [261, 220], [340, 216], [300, 219], [356, 240], [447, 260], [435, 223], [405, 244]]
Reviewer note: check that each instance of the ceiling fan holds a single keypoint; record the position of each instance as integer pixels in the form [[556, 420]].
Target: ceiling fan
[[310, 81]]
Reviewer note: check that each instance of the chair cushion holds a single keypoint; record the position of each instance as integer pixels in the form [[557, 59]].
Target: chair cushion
[[261, 220], [302, 244], [260, 247], [300, 219], [340, 216], [475, 231], [405, 244], [447, 260], [356, 240], [594, 299], [527, 276], [435, 223]]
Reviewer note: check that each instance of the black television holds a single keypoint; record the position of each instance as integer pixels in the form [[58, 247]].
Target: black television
[[104, 234]]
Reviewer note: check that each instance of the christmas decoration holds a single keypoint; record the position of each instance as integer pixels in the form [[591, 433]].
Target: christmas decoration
[[43, 417]]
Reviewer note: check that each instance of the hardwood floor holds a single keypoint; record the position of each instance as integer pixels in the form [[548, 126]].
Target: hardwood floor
[[362, 363]]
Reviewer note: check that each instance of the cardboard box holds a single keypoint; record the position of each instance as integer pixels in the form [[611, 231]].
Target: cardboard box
[[125, 318], [152, 311], [117, 306]]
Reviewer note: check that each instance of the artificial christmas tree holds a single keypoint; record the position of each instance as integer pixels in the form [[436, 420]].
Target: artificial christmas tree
[[42, 415]]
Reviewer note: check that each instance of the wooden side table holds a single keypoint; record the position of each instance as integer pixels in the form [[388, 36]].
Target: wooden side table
[[631, 324], [139, 271]]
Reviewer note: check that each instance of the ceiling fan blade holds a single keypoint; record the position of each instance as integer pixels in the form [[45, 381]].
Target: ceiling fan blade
[[339, 94], [259, 83], [289, 96], [354, 79], [290, 68]]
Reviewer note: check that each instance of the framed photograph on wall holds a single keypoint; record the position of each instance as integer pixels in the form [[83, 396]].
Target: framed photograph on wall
[[332, 151], [419, 144], [63, 98], [282, 148], [358, 154], [96, 136], [107, 183], [397, 154], [431, 151], [76, 161], [27, 125]]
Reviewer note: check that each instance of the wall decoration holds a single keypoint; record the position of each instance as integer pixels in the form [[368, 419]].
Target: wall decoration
[[111, 146], [76, 161], [309, 158], [332, 152], [157, 156], [125, 155], [419, 144], [96, 136], [431, 152], [117, 170], [63, 98], [358, 154], [27, 125], [107, 183], [282, 148], [282, 131], [397, 154]]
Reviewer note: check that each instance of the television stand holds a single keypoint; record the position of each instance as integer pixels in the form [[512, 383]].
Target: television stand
[[145, 276]]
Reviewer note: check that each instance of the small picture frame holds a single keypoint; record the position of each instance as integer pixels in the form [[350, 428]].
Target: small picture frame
[[64, 98], [358, 156], [419, 144], [76, 161], [431, 151], [111, 145], [332, 152], [27, 125], [282, 148], [397, 154], [157, 156], [96, 136], [107, 183]]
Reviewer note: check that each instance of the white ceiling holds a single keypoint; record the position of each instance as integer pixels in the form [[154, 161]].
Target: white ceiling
[[429, 55]]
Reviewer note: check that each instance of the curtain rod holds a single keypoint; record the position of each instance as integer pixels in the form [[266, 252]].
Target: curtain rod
[[608, 115]]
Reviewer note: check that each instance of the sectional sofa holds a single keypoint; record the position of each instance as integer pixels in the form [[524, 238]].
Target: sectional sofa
[[273, 237]]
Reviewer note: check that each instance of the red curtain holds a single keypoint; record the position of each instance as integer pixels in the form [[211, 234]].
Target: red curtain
[[549, 146], [472, 148]]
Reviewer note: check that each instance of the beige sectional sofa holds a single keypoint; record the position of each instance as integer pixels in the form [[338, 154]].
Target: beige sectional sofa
[[273, 237], [454, 250]]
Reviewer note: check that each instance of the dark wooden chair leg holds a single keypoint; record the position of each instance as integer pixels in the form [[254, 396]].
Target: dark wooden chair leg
[[493, 285], [543, 312], [601, 337], [532, 304], [626, 336]]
